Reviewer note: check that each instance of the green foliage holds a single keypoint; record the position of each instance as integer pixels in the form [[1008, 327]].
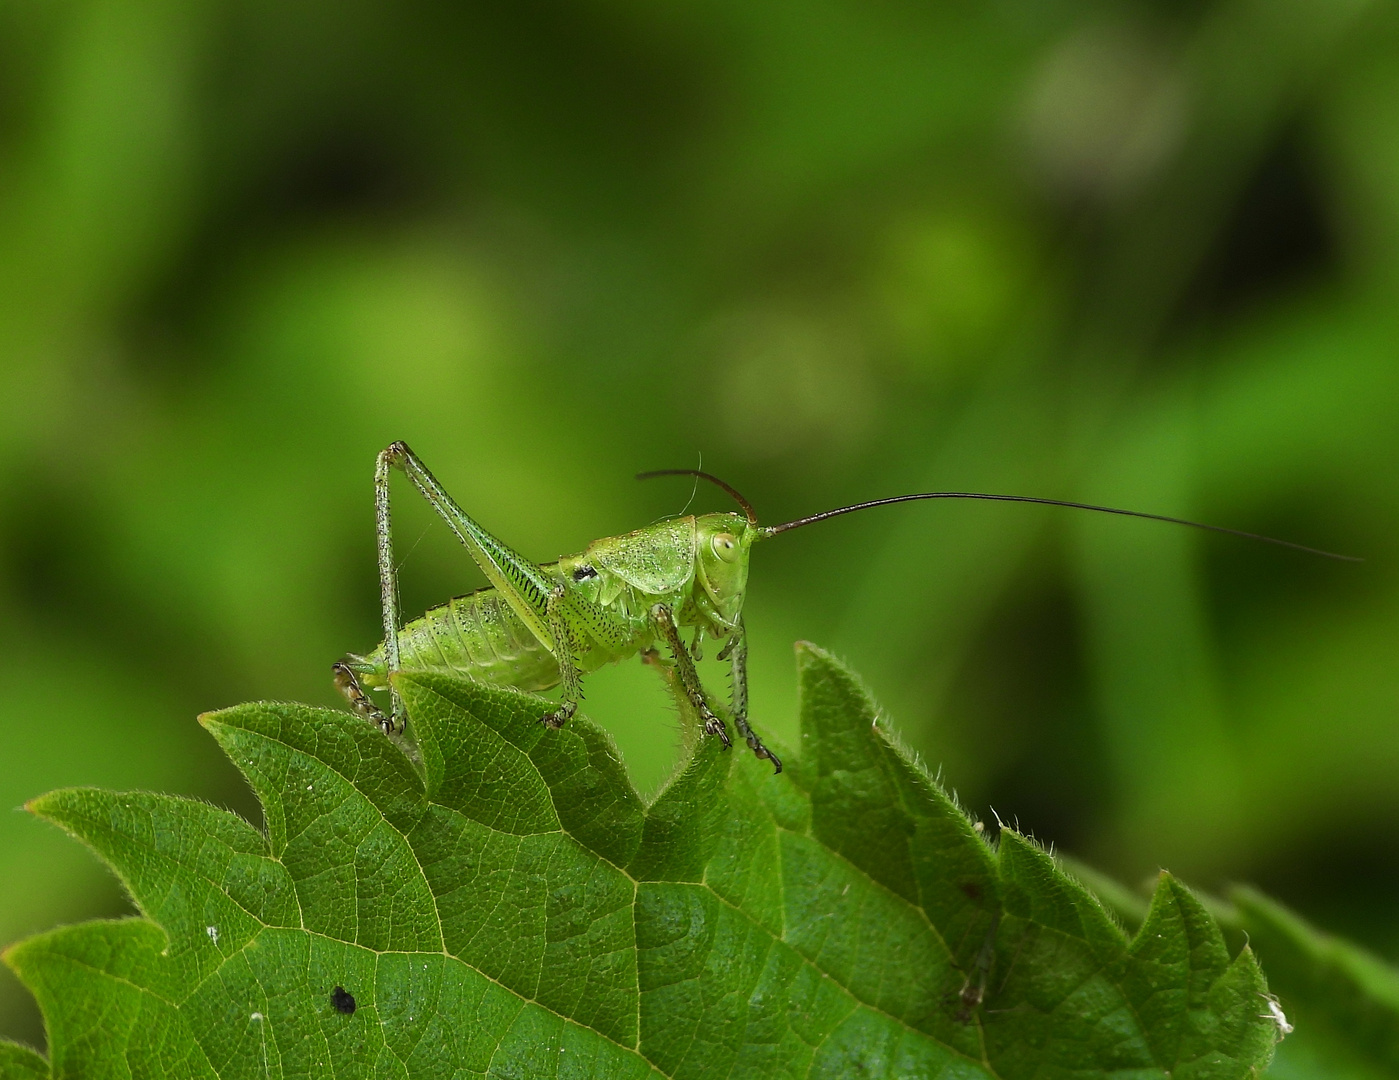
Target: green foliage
[[504, 904], [21, 1063], [1140, 253], [1343, 999]]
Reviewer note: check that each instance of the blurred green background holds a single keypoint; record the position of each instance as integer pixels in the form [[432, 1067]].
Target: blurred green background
[[1142, 254]]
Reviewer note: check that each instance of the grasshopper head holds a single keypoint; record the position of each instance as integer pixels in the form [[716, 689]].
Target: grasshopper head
[[722, 542]]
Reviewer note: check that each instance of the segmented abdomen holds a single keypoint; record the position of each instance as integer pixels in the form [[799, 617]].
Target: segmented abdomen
[[477, 635]]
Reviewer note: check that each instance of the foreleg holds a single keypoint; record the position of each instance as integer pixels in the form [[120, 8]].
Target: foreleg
[[736, 652], [685, 669]]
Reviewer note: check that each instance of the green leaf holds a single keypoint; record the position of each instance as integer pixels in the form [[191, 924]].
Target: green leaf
[[1343, 1000], [21, 1063], [498, 901]]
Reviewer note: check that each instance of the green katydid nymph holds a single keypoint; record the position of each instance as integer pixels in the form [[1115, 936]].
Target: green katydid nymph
[[538, 626]]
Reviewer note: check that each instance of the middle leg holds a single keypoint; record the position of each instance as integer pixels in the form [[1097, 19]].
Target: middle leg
[[557, 617]]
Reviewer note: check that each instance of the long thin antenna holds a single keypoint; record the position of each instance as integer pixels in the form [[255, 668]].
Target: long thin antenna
[[773, 530], [747, 506]]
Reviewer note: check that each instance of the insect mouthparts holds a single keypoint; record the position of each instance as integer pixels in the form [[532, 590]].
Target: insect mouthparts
[[583, 573]]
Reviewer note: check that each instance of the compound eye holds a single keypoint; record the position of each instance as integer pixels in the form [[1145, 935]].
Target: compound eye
[[725, 546], [584, 573]]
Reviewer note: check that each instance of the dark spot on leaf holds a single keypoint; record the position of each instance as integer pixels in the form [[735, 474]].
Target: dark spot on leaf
[[971, 889], [343, 1000]]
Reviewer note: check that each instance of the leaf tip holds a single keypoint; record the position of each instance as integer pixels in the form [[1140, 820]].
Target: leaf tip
[[12, 955], [1172, 888], [216, 720], [215, 725], [48, 805]]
